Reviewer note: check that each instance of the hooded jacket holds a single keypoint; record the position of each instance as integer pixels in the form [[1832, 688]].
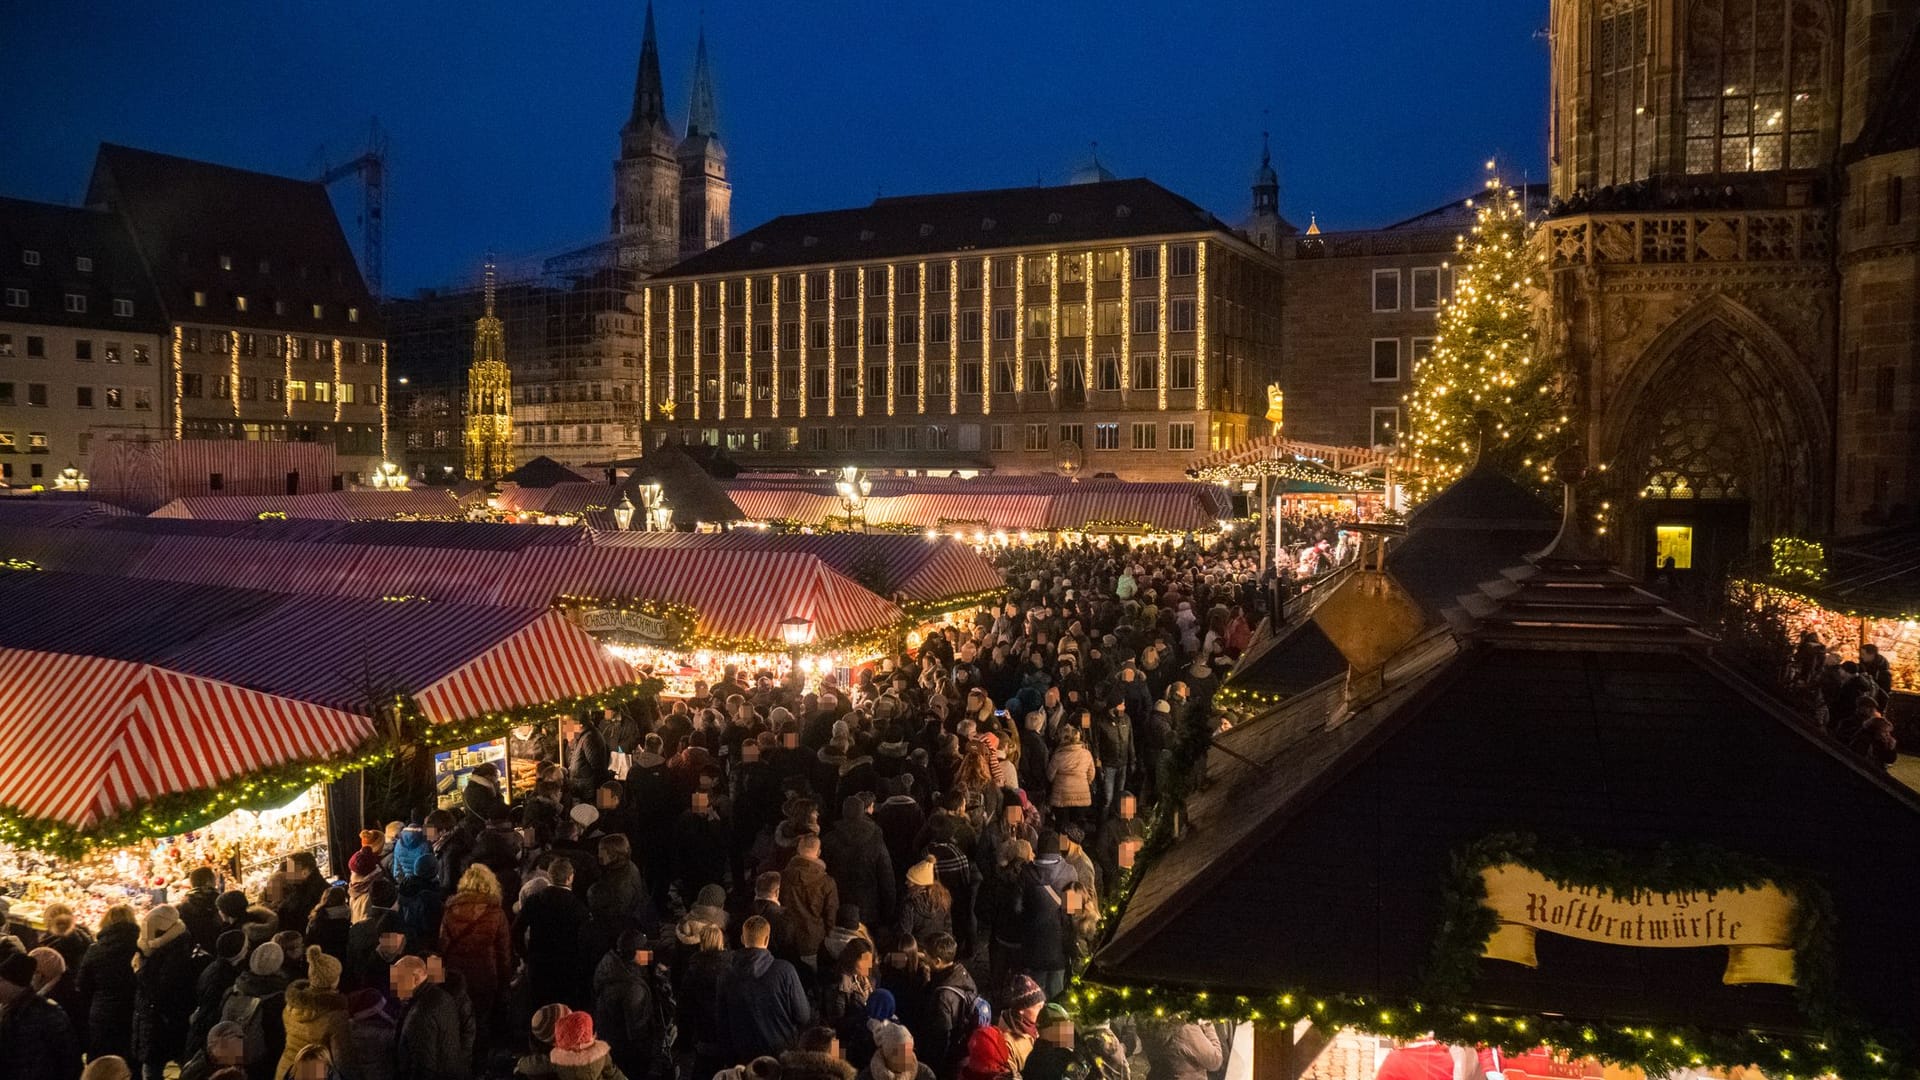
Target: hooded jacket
[[813, 1065], [1071, 773], [812, 899], [163, 999], [763, 1007], [475, 942], [855, 852], [106, 984], [624, 1011], [317, 1017]]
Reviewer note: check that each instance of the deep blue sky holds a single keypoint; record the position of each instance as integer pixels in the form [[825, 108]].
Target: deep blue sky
[[503, 116]]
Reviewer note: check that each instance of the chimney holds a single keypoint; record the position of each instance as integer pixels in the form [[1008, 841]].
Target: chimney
[[1369, 618]]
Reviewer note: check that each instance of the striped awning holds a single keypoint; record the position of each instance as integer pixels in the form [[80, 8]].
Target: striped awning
[[921, 570], [994, 504], [777, 504], [549, 659], [325, 505], [737, 594], [87, 738]]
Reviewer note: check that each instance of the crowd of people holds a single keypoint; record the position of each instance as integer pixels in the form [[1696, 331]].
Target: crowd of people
[[1847, 699], [888, 880]]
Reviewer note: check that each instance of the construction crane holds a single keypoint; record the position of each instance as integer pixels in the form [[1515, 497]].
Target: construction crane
[[371, 167]]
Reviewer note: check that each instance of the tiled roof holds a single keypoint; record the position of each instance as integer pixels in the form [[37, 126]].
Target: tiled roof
[[281, 236], [961, 221], [59, 236]]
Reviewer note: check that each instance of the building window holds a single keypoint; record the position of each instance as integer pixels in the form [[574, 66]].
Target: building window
[[817, 333], [83, 349], [1426, 288], [318, 310], [939, 438], [737, 338], [1184, 259], [141, 355], [1000, 437], [1003, 376], [239, 303], [1036, 437], [1003, 324], [876, 329], [817, 438], [970, 376], [1073, 321], [1386, 359], [115, 398], [1146, 262], [6, 344], [16, 298], [1146, 435], [876, 380], [1002, 273], [6, 393], [790, 335], [846, 283], [1883, 383], [1039, 321], [1146, 372], [29, 257], [1107, 265], [1180, 371], [1106, 373], [937, 380], [1386, 290], [907, 330], [1384, 430], [36, 347], [83, 397], [199, 298], [1180, 314], [906, 438], [296, 389], [938, 277], [970, 325], [142, 399], [1755, 85], [1180, 435], [37, 395], [906, 380], [123, 308], [939, 329], [849, 383], [37, 444], [1422, 348], [1106, 436], [1106, 317], [1146, 316], [817, 383], [969, 275], [1073, 433], [249, 387], [1037, 270]]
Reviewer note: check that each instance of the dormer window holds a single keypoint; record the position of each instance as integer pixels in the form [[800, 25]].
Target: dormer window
[[226, 262], [83, 263], [809, 241], [926, 230], [199, 298], [239, 303], [266, 267], [316, 311], [866, 234], [29, 257], [353, 314], [1053, 218], [1122, 211], [987, 223]]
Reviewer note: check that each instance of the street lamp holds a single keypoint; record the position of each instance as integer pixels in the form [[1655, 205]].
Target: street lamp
[[623, 513], [388, 475], [659, 516], [796, 632], [854, 487], [70, 479]]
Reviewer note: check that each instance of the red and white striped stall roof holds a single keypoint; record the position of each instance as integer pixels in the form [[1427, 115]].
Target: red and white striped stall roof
[[995, 504], [88, 738], [915, 567], [324, 505], [736, 593], [780, 504], [1169, 508], [547, 660], [996, 510]]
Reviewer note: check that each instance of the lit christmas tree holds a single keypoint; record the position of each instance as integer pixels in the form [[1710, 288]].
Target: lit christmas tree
[[1485, 359]]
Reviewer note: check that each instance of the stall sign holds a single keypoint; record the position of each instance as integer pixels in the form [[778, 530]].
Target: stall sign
[[1753, 924], [610, 620], [452, 767]]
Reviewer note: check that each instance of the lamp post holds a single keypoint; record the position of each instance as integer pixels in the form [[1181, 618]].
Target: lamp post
[[389, 476], [796, 632], [659, 516], [623, 513], [70, 479], [854, 486]]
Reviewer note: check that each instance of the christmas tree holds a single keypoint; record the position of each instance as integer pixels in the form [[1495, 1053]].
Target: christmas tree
[[1485, 359]]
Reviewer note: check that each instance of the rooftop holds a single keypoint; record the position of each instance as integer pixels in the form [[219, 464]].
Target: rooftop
[[57, 238]]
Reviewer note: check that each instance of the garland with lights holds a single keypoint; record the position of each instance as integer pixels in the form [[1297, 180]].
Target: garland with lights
[[19, 564], [1115, 525], [492, 725], [1798, 561], [1485, 359], [920, 611], [271, 515], [1291, 470], [184, 811]]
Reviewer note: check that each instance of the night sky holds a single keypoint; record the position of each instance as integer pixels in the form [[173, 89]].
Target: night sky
[[503, 116]]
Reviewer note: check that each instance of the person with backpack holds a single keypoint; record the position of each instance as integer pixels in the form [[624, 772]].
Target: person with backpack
[[316, 1015], [416, 875], [955, 1008], [256, 1004], [635, 1008]]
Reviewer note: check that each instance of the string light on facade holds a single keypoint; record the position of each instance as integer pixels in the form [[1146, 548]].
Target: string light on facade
[[860, 342], [693, 360], [746, 333], [1053, 326], [986, 335], [719, 361], [179, 421], [833, 349], [383, 399], [1086, 323], [1019, 322], [773, 297], [893, 333], [921, 325], [336, 395], [953, 337], [1200, 395], [1126, 324], [646, 354], [673, 344], [1161, 324], [806, 345]]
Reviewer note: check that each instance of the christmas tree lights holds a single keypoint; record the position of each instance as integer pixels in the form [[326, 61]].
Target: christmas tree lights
[[1486, 358]]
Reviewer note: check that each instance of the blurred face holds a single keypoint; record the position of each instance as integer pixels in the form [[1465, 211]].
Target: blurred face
[[864, 965], [404, 980], [227, 1051], [310, 1069], [391, 945]]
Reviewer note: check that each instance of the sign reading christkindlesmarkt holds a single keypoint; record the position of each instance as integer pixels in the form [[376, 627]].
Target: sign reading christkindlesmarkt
[[1754, 924], [641, 625]]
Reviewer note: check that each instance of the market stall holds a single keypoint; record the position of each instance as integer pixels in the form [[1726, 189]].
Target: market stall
[[1861, 590], [174, 771]]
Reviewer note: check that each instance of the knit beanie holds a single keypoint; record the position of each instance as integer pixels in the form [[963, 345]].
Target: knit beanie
[[363, 863], [713, 896], [161, 919], [544, 1019], [48, 965], [232, 904], [323, 971], [266, 959], [920, 873], [892, 1039], [1024, 994], [573, 1031], [880, 1004]]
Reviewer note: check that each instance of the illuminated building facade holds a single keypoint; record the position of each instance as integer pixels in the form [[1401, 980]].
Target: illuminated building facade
[[971, 330]]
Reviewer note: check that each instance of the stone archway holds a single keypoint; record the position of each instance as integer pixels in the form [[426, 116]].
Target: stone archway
[[1719, 412]]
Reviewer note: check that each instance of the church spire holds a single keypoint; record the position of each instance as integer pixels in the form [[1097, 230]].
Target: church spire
[[703, 116], [649, 100], [488, 288]]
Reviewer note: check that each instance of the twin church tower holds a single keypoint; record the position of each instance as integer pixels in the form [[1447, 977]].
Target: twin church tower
[[671, 198]]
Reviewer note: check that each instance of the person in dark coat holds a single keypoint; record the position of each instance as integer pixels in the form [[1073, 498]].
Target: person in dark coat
[[433, 1042], [107, 984], [900, 819], [163, 991], [952, 1002], [766, 904], [619, 900], [36, 1039], [548, 935], [215, 979], [305, 886], [200, 910], [855, 851], [330, 923], [588, 766], [626, 999], [700, 845], [697, 995], [762, 1004]]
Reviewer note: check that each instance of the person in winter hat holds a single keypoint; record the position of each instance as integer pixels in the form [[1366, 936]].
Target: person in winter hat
[[1018, 1017], [163, 990], [576, 1054], [816, 1056], [36, 1039], [988, 1056], [316, 1013], [537, 1063], [893, 1056], [1053, 1052]]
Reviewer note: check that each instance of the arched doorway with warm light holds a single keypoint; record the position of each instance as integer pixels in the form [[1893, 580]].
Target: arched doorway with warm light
[[1716, 446]]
